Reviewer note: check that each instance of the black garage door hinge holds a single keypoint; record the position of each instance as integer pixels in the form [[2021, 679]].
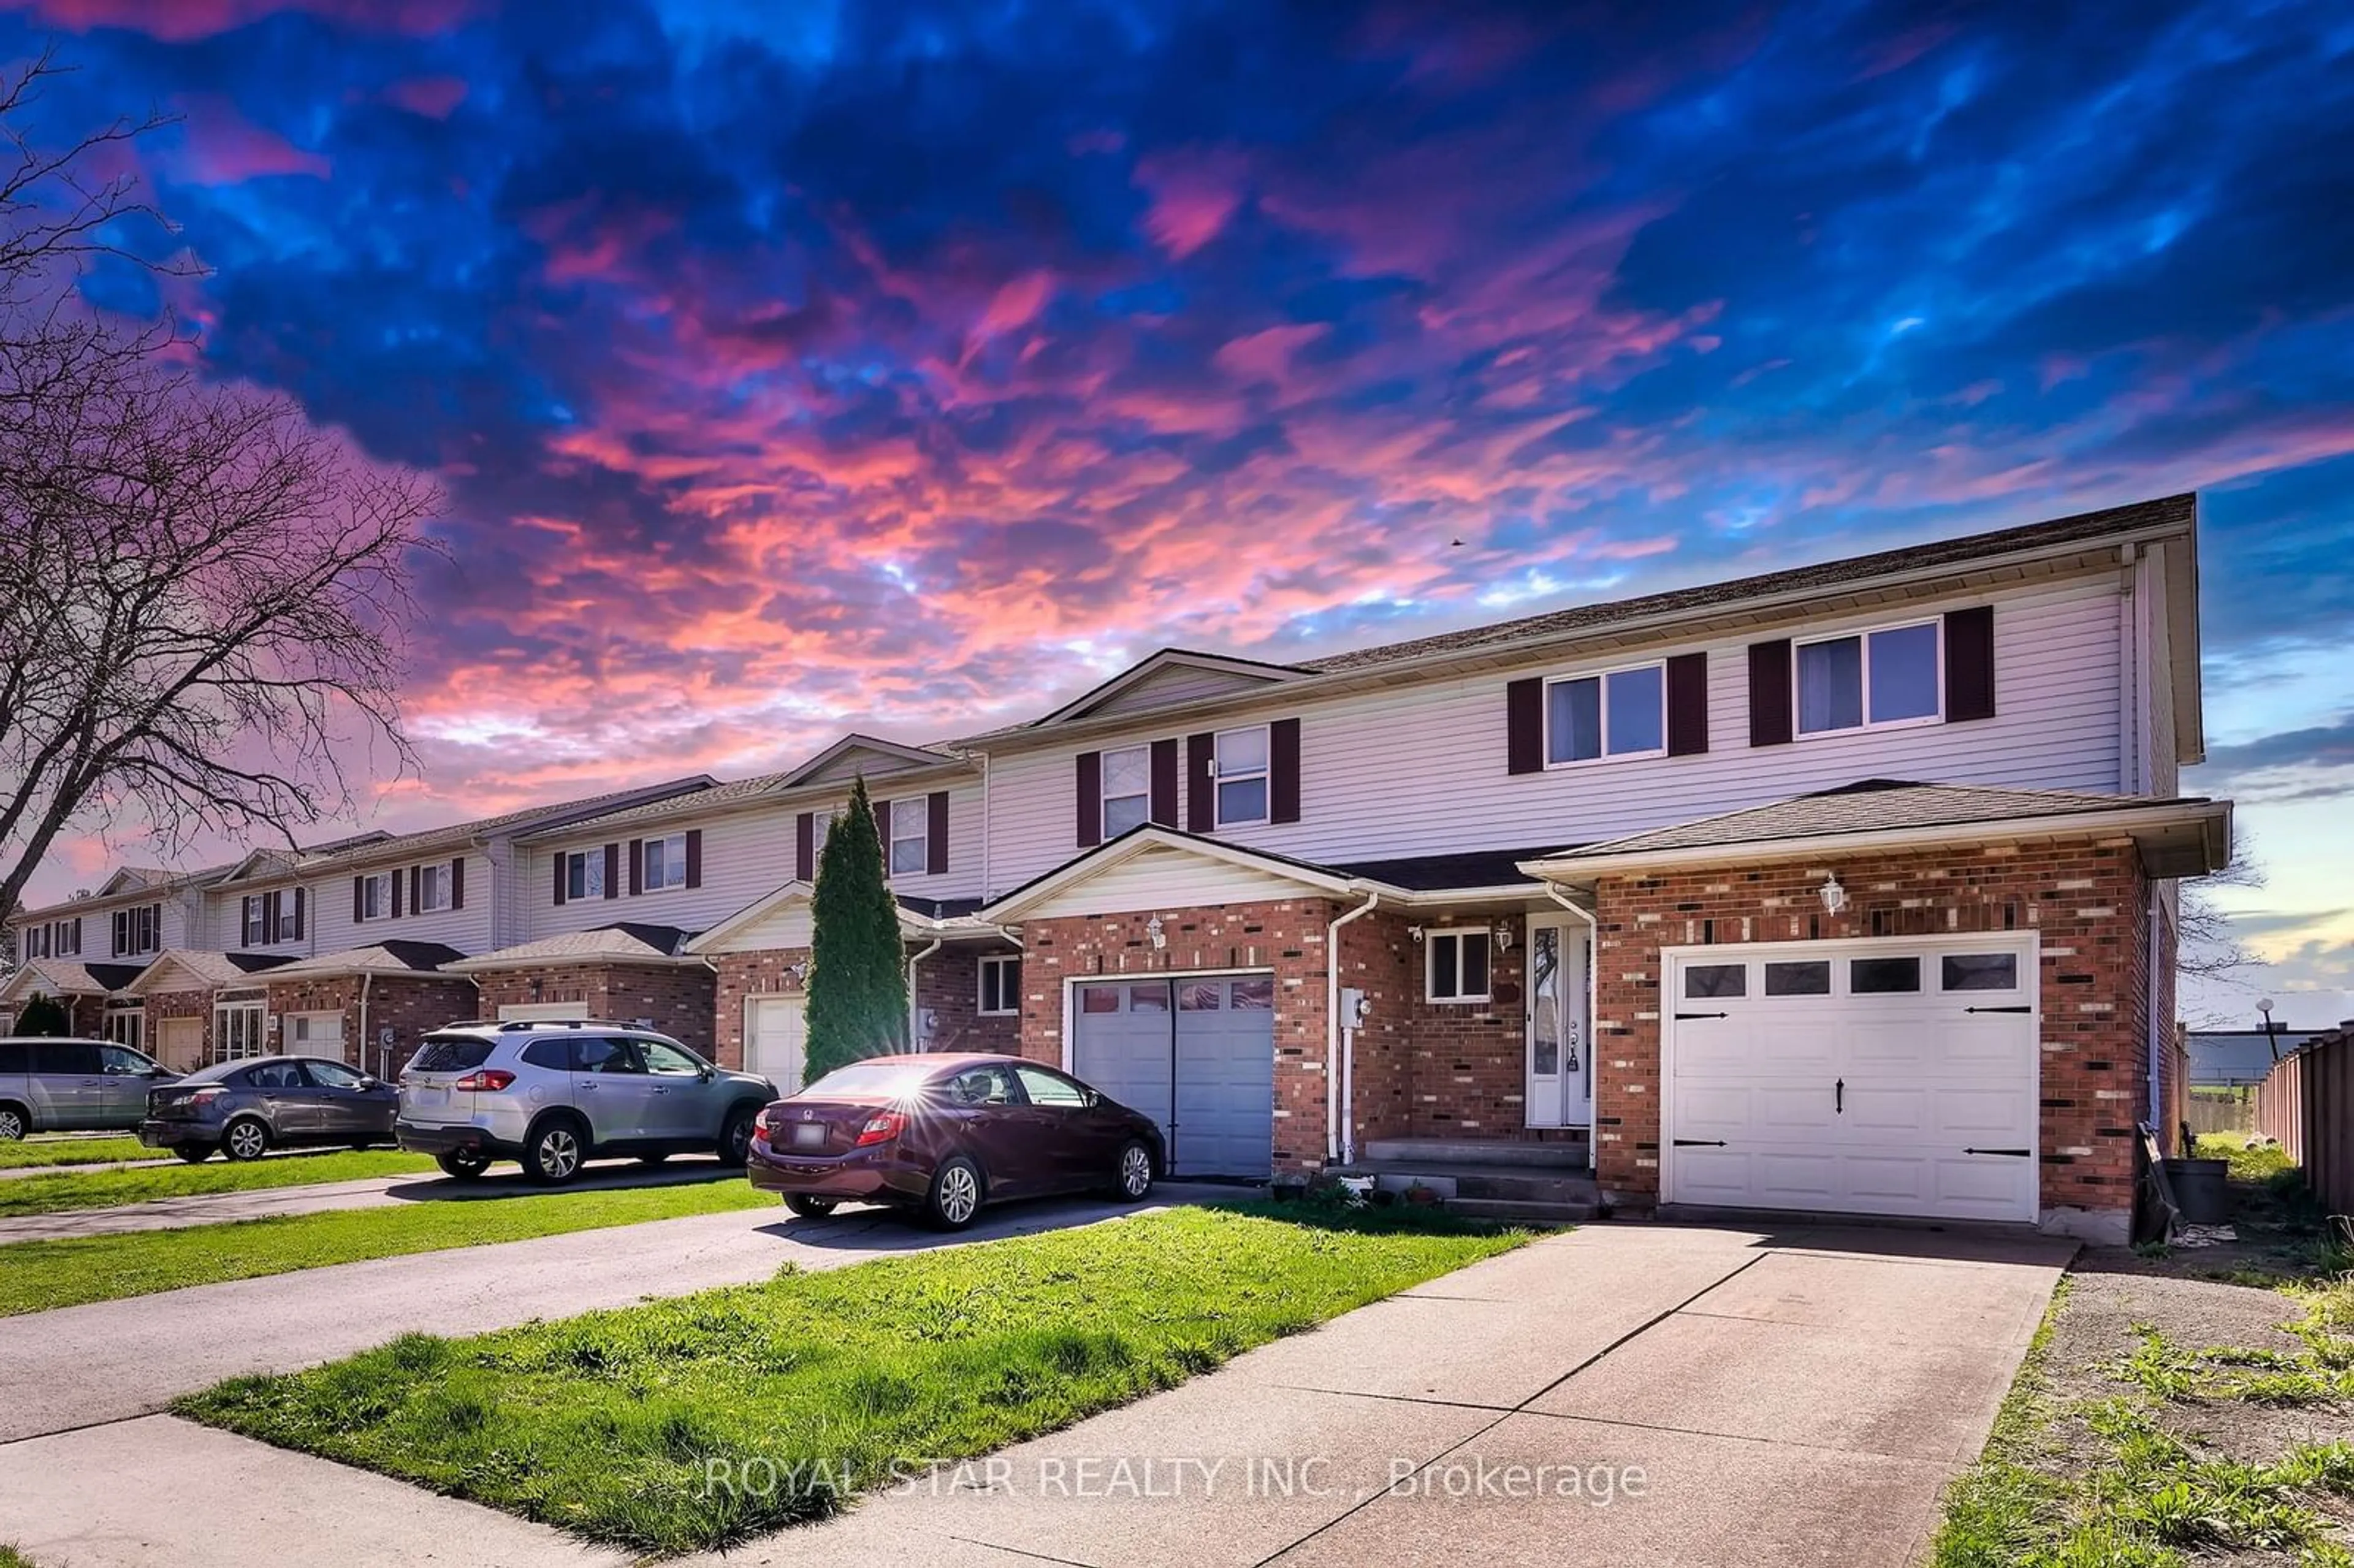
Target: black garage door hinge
[[1699, 1143], [1704, 1015], [2022, 1007], [2014, 1153]]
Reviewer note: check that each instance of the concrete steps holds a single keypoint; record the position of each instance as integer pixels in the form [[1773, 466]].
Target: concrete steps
[[1510, 1213], [1523, 1184]]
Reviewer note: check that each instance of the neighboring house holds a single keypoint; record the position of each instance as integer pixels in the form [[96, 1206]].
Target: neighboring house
[[1843, 889], [2232, 1058]]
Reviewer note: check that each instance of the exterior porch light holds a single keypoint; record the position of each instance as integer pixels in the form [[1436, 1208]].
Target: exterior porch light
[[1503, 936], [1155, 934], [1834, 895]]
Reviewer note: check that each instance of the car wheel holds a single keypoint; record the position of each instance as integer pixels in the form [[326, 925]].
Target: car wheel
[[245, 1139], [464, 1164], [194, 1153], [811, 1208], [12, 1123], [554, 1155], [956, 1194], [1133, 1175], [735, 1135]]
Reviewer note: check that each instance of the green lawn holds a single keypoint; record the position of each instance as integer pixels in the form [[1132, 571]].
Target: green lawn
[[37, 1275], [28, 1152], [605, 1424], [47, 1194]]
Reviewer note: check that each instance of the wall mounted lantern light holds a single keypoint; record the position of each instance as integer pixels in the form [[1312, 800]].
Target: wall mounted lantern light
[[1834, 895]]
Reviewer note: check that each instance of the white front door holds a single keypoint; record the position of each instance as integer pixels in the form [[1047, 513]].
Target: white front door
[[1888, 1077], [180, 1043], [1560, 1060], [776, 1040]]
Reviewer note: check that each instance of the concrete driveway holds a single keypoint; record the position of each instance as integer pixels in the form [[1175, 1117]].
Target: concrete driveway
[[1620, 1395]]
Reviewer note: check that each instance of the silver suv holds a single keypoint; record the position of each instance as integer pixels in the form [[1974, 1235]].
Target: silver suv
[[552, 1095], [65, 1086]]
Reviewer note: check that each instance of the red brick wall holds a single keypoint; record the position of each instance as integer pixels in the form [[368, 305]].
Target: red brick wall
[[1285, 935], [742, 975], [408, 1005], [679, 998], [2088, 901], [948, 986]]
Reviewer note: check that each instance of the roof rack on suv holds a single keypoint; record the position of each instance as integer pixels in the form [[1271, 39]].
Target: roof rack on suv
[[512, 1023]]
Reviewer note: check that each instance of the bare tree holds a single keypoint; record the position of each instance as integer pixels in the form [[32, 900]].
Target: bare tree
[[2207, 946], [202, 597]]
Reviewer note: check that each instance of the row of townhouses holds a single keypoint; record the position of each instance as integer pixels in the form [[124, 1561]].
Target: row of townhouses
[[1847, 888]]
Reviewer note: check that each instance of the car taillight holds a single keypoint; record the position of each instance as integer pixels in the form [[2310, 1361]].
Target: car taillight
[[201, 1096], [491, 1079], [881, 1129]]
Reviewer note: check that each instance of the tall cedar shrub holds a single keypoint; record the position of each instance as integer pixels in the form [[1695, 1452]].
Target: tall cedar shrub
[[857, 979], [43, 1015]]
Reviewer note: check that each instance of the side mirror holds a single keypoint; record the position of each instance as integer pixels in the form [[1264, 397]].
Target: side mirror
[[707, 1072], [370, 1082]]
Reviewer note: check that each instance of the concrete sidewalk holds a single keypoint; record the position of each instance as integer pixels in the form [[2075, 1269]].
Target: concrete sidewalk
[[1620, 1395]]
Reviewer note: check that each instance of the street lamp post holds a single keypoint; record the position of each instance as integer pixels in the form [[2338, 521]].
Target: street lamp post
[[2272, 1035]]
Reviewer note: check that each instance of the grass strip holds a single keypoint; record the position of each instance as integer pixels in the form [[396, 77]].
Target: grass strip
[[605, 1424], [26, 1153], [37, 1276], [49, 1194]]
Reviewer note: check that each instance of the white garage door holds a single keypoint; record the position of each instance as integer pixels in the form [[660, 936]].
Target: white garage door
[[1196, 1055], [1880, 1077], [776, 1040]]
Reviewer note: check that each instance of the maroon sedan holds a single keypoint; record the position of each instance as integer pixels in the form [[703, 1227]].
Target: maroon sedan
[[947, 1134]]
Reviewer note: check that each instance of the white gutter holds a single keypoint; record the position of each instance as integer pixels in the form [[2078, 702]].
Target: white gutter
[[912, 962], [1336, 1115], [1593, 979], [365, 976]]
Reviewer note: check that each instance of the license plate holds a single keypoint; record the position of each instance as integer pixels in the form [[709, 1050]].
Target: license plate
[[427, 1096], [809, 1135]]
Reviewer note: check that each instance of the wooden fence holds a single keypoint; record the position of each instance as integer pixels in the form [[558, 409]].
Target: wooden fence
[[2307, 1103], [2221, 1110]]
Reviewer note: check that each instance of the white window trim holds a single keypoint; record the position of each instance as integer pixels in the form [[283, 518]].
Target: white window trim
[[981, 992], [917, 808], [1602, 680], [1863, 636], [645, 864], [1430, 965], [1265, 771], [1104, 796], [426, 876], [253, 916]]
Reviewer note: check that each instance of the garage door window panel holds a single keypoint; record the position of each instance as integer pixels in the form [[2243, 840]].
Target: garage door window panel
[[1883, 976], [1252, 996], [1810, 977], [1979, 971], [1099, 999], [1456, 965], [1201, 996], [1709, 983], [1147, 997]]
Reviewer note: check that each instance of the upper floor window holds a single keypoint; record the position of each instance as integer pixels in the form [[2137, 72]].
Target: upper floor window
[[1239, 770], [432, 888], [910, 837], [1127, 789], [1456, 964], [1884, 677], [139, 930], [665, 863], [584, 874], [1001, 984], [1622, 713], [376, 896], [54, 940], [256, 922]]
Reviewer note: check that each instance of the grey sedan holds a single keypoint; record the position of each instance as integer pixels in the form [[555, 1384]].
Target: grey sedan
[[246, 1108]]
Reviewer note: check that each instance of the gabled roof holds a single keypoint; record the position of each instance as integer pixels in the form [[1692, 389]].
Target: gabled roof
[[67, 977], [624, 942], [889, 750], [208, 970], [800, 783], [1245, 673], [394, 956], [457, 835], [1887, 813], [920, 919], [1151, 839]]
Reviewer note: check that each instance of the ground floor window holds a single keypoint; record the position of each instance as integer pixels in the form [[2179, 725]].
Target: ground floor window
[[127, 1026], [1456, 965], [1001, 984], [239, 1030]]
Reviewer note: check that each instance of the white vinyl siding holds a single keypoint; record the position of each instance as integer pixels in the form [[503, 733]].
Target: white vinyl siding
[[1419, 768], [327, 915], [1177, 684]]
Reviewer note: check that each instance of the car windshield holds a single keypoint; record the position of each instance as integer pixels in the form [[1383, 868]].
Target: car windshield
[[871, 1079]]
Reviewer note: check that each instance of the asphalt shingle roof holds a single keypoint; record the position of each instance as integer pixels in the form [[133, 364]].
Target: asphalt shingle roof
[[624, 942]]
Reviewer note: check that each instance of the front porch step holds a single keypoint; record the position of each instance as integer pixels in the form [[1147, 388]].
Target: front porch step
[[1542, 1194], [1567, 1153], [1525, 1213]]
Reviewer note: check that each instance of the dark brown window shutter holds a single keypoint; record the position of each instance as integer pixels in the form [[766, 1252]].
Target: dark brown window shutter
[[1090, 799], [561, 860], [1283, 770], [359, 893], [1687, 705], [613, 871], [298, 914], [396, 879], [805, 847], [457, 883], [417, 890], [244, 922], [881, 810], [936, 836], [1165, 782], [1524, 725], [77, 935], [268, 919], [1770, 693], [637, 866], [694, 857], [1201, 789], [1970, 664]]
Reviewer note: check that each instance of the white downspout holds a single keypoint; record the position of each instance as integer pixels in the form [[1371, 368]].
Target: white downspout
[[912, 1010], [1592, 975], [365, 976], [2157, 1027], [1336, 1087]]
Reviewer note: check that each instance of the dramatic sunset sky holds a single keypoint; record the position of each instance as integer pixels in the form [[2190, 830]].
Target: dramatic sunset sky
[[794, 366]]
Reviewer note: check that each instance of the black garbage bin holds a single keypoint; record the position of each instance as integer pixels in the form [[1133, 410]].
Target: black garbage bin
[[2200, 1191]]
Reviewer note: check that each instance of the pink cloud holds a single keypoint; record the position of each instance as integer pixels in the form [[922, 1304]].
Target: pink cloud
[[1193, 195], [180, 21], [1016, 304], [1267, 355], [221, 147], [435, 97]]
